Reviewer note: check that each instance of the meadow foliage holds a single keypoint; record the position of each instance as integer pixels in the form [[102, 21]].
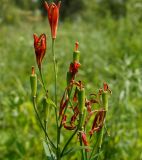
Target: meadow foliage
[[110, 51]]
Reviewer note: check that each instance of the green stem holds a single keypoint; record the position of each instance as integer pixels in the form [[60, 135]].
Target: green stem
[[38, 117], [42, 81], [98, 153], [55, 80], [45, 126], [55, 70], [60, 126], [94, 148], [86, 155], [80, 139], [68, 142]]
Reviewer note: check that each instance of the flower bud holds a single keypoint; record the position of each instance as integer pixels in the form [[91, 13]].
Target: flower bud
[[33, 81], [53, 16]]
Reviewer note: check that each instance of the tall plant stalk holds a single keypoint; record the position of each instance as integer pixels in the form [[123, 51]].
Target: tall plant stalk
[[55, 96], [42, 81], [40, 122]]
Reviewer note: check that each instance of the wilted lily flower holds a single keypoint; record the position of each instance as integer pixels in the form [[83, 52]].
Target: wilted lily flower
[[98, 121], [53, 16], [74, 69], [40, 47], [105, 89], [84, 140]]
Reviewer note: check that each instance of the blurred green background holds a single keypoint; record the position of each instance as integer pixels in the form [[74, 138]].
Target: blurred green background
[[110, 37]]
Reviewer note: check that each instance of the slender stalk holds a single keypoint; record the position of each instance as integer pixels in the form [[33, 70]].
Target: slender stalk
[[60, 126], [38, 117], [94, 147], [45, 126], [86, 155], [55, 76], [68, 142], [80, 130], [45, 122], [42, 81], [55, 80], [98, 153], [97, 145], [80, 139]]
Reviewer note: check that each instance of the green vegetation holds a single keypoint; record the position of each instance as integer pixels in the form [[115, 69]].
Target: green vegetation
[[110, 51]]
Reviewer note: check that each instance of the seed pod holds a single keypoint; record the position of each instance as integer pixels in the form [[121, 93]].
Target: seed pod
[[105, 100], [76, 53], [76, 56], [81, 105], [81, 99], [33, 81], [83, 117]]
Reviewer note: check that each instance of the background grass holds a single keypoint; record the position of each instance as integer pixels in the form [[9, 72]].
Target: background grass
[[110, 51]]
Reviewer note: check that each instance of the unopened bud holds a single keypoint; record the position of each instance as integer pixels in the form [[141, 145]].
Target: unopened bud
[[33, 81]]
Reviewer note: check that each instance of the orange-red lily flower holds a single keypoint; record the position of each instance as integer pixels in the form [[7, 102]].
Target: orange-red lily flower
[[40, 47], [53, 16]]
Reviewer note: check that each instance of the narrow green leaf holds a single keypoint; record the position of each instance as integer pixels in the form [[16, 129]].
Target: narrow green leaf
[[47, 152], [50, 102], [49, 158], [46, 149], [71, 150], [96, 155]]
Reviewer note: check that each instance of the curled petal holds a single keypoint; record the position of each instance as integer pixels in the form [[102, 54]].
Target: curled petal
[[89, 103], [64, 118], [40, 48], [98, 121], [62, 107], [69, 127], [75, 95], [84, 140]]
